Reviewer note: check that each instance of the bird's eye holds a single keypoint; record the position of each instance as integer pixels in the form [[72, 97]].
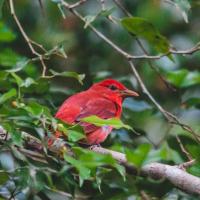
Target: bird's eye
[[112, 87]]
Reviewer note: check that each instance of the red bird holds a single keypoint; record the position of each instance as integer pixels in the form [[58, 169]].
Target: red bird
[[103, 99]]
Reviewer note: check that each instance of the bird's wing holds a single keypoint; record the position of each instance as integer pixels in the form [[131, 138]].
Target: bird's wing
[[69, 110], [100, 107], [80, 105]]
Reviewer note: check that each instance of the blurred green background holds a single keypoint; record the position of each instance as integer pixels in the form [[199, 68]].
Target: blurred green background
[[35, 97]]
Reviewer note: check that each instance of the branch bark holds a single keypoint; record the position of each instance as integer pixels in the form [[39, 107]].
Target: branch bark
[[175, 174]]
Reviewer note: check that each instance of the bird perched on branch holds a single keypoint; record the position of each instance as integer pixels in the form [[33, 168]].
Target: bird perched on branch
[[103, 99]]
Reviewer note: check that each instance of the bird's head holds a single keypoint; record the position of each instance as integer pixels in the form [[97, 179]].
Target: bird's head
[[115, 88]]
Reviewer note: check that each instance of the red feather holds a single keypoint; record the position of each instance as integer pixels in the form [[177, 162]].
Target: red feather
[[100, 100]]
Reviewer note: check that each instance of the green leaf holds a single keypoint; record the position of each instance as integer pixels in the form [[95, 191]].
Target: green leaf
[[114, 122], [19, 65], [3, 177], [74, 136], [84, 172], [8, 58], [140, 27], [18, 79], [195, 169], [6, 35], [194, 151], [27, 82], [34, 108], [138, 156], [121, 170], [3, 75], [93, 160], [183, 78], [61, 50], [8, 95], [101, 172], [23, 83], [1, 6], [79, 77], [16, 137], [183, 6]]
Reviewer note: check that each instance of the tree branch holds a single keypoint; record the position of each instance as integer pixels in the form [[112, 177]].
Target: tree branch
[[174, 174]]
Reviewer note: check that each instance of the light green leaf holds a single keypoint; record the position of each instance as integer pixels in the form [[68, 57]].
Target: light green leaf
[[23, 83], [27, 82], [79, 77], [114, 122], [74, 136], [18, 80], [138, 156], [183, 77], [8, 95], [140, 27], [84, 172], [19, 65]]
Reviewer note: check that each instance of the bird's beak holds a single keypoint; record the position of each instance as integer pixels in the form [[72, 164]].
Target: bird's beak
[[129, 93]]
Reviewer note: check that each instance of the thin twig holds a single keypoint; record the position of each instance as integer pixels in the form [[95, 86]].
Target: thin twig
[[125, 11], [185, 165], [183, 149], [167, 84], [78, 3], [27, 39]]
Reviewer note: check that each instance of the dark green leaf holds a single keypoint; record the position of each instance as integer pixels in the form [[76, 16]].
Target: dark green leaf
[[140, 27], [84, 172], [34, 108], [183, 77], [1, 6], [195, 169], [3, 177], [138, 156], [8, 95]]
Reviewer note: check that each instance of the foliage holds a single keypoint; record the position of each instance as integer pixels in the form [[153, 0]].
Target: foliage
[[74, 56]]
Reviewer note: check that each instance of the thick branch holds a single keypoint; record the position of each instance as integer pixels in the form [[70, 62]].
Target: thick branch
[[174, 174]]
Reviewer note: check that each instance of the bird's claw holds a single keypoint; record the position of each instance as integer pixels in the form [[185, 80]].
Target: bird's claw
[[94, 146]]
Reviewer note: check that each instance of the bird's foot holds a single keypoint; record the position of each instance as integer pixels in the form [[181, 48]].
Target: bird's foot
[[94, 146]]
